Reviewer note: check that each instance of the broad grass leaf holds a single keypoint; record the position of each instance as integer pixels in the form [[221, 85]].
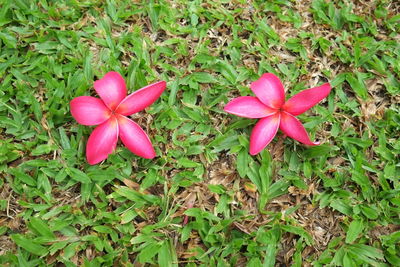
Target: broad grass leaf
[[355, 229], [29, 245]]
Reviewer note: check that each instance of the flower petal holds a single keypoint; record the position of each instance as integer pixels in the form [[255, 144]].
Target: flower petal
[[306, 99], [89, 110], [248, 107], [141, 98], [111, 89], [263, 133], [134, 138], [269, 90], [102, 141], [293, 128]]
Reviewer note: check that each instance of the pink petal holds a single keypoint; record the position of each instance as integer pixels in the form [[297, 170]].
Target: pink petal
[[89, 110], [269, 90], [306, 99], [293, 128], [134, 138], [263, 133], [111, 89], [248, 107], [141, 98], [102, 141]]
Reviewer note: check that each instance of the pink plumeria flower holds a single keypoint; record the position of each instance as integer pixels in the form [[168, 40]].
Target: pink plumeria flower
[[269, 105], [110, 113]]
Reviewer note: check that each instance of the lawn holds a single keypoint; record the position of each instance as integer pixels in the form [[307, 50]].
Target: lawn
[[203, 200]]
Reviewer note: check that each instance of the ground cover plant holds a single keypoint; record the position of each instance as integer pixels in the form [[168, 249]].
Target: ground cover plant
[[203, 200]]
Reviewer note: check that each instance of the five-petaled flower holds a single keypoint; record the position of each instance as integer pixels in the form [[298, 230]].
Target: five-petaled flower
[[110, 113], [269, 105]]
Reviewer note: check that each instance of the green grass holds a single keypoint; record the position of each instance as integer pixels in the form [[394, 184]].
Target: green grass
[[337, 204]]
